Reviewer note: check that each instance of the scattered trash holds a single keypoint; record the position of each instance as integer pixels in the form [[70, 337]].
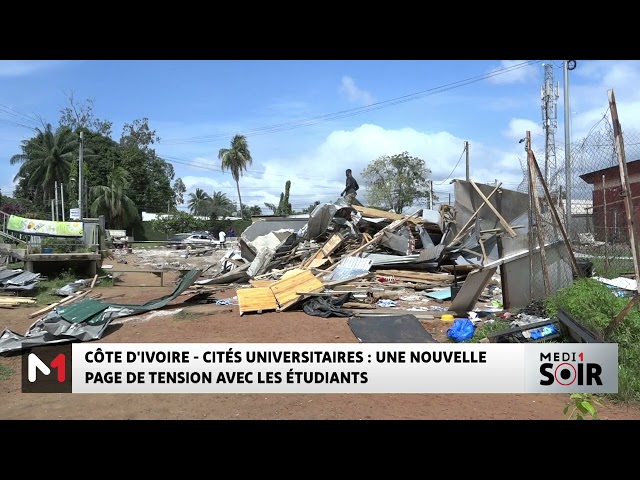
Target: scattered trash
[[461, 330]]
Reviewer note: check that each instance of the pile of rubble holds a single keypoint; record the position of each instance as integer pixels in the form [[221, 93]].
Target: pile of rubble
[[370, 259]]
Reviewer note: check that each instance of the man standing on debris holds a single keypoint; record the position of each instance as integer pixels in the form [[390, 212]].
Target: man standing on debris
[[351, 189], [223, 238]]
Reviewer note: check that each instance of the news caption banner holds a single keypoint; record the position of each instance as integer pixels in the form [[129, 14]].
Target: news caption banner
[[322, 368]]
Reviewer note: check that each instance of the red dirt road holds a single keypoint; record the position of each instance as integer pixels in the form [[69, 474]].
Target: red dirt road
[[213, 324]]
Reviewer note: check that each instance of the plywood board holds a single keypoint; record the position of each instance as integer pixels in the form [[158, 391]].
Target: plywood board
[[318, 262], [318, 255], [256, 299], [285, 290], [375, 213], [291, 273], [330, 245]]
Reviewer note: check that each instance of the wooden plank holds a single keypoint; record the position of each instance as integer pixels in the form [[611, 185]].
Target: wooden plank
[[504, 223], [93, 282], [376, 238], [317, 262], [256, 299], [67, 299], [285, 290], [330, 245], [375, 213], [463, 230], [552, 207], [415, 274], [538, 216]]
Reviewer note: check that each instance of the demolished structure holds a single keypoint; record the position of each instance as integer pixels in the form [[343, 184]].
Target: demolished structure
[[345, 253]]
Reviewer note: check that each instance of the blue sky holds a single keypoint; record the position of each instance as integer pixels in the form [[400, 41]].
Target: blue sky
[[307, 121]]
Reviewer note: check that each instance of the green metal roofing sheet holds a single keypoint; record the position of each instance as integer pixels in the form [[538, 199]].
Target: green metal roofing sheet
[[90, 311], [82, 311]]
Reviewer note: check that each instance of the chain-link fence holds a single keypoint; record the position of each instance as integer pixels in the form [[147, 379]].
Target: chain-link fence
[[597, 217]]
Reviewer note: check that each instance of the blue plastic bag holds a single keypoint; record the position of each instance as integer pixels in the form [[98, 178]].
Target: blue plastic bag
[[461, 330]]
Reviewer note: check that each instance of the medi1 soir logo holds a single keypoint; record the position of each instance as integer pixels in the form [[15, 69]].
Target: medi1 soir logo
[[572, 368], [47, 369]]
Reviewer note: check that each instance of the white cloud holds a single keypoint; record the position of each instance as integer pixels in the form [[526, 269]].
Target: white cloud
[[318, 173], [354, 93], [20, 68], [517, 75], [518, 128]]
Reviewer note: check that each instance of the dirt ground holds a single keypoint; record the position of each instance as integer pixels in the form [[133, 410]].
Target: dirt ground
[[213, 323]]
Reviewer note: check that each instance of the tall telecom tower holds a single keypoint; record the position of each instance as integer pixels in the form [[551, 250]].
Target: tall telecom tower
[[549, 95]]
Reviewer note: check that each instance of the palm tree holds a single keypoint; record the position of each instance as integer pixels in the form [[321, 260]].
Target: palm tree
[[220, 205], [111, 200], [237, 158], [47, 159], [199, 203]]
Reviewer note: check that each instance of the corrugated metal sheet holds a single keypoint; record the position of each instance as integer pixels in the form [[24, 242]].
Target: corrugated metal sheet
[[6, 274], [82, 311], [23, 279], [349, 267], [385, 259]]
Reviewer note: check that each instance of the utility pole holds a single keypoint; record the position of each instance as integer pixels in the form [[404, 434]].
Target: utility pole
[[56, 200], [62, 201], [80, 177], [567, 144], [549, 95], [466, 149], [430, 194]]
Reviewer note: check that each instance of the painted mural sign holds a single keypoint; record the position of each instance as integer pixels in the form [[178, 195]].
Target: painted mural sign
[[32, 226]]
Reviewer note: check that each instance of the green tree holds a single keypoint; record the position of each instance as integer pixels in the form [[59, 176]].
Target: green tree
[[220, 206], [236, 159], [249, 212], [179, 189], [151, 175], [199, 203], [284, 206], [311, 207], [111, 200], [45, 160], [397, 181], [177, 222], [79, 115], [271, 206]]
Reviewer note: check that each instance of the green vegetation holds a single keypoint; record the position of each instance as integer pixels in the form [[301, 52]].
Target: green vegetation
[[612, 267], [284, 207], [187, 315], [236, 158], [397, 181], [594, 305], [5, 372], [45, 295], [582, 406]]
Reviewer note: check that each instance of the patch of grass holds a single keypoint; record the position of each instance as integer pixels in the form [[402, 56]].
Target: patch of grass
[[594, 305], [485, 329], [5, 372], [612, 267], [187, 315], [47, 287]]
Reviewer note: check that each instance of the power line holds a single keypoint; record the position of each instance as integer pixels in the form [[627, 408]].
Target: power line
[[454, 168], [354, 111]]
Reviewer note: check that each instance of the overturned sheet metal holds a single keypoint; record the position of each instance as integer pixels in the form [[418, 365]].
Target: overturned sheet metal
[[84, 321], [348, 268]]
